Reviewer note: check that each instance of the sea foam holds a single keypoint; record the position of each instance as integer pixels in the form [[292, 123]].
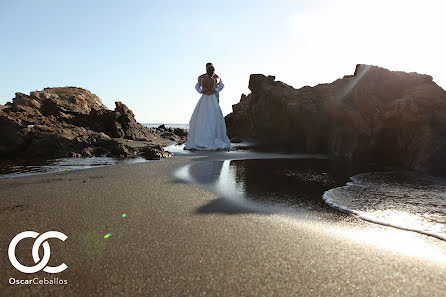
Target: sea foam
[[405, 200]]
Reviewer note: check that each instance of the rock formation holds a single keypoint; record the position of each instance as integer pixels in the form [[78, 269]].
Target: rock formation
[[175, 134], [375, 114], [69, 121]]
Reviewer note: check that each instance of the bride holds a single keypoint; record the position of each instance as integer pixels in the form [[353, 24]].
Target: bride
[[207, 128]]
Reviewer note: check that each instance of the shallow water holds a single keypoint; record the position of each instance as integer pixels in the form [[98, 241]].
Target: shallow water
[[396, 198], [271, 185], [402, 199], [17, 168]]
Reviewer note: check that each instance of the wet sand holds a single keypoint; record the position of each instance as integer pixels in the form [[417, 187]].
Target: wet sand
[[166, 246]]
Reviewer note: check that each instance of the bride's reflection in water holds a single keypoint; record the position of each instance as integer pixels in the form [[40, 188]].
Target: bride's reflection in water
[[206, 173], [217, 176]]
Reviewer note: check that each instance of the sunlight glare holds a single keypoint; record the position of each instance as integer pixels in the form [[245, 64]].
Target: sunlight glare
[[398, 35], [404, 242]]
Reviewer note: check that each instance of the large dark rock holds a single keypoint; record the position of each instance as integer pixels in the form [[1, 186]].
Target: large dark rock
[[375, 114], [120, 123], [10, 140], [66, 122]]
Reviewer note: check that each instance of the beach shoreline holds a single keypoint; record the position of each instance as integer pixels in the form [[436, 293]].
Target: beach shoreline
[[165, 246]]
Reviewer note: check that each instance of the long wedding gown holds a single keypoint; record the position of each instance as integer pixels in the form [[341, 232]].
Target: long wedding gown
[[207, 128]]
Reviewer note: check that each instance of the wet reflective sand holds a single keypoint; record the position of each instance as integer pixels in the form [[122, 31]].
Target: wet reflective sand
[[17, 168], [297, 182], [179, 238], [401, 199]]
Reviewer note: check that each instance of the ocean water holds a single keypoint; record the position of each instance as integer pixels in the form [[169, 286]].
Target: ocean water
[[401, 199], [155, 125], [17, 168]]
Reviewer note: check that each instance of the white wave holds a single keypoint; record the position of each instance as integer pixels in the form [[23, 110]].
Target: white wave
[[402, 200]]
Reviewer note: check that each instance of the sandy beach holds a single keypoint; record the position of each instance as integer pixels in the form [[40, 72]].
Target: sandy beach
[[167, 246]]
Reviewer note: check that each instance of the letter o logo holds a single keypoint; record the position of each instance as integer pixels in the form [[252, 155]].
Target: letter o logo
[[41, 240]]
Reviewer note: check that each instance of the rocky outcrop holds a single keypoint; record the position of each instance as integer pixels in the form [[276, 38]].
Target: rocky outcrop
[[154, 152], [119, 123], [70, 122], [175, 134], [375, 114]]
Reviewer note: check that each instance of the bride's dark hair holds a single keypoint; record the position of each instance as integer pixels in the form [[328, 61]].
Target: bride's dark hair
[[210, 70]]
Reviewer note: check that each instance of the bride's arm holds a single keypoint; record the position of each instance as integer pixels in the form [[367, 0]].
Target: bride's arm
[[220, 86], [198, 87]]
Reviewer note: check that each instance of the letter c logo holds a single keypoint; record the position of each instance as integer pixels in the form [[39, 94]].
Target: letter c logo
[[35, 252]]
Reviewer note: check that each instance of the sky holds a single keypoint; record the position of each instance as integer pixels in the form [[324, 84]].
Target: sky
[[148, 54]]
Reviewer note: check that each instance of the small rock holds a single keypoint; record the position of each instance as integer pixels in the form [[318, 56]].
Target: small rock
[[155, 152], [180, 132]]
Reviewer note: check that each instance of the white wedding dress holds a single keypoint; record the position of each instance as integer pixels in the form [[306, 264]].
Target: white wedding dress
[[207, 128]]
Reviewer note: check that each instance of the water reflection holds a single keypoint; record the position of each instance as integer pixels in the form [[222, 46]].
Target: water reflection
[[290, 192], [300, 182], [298, 185], [16, 168], [270, 185], [207, 173]]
